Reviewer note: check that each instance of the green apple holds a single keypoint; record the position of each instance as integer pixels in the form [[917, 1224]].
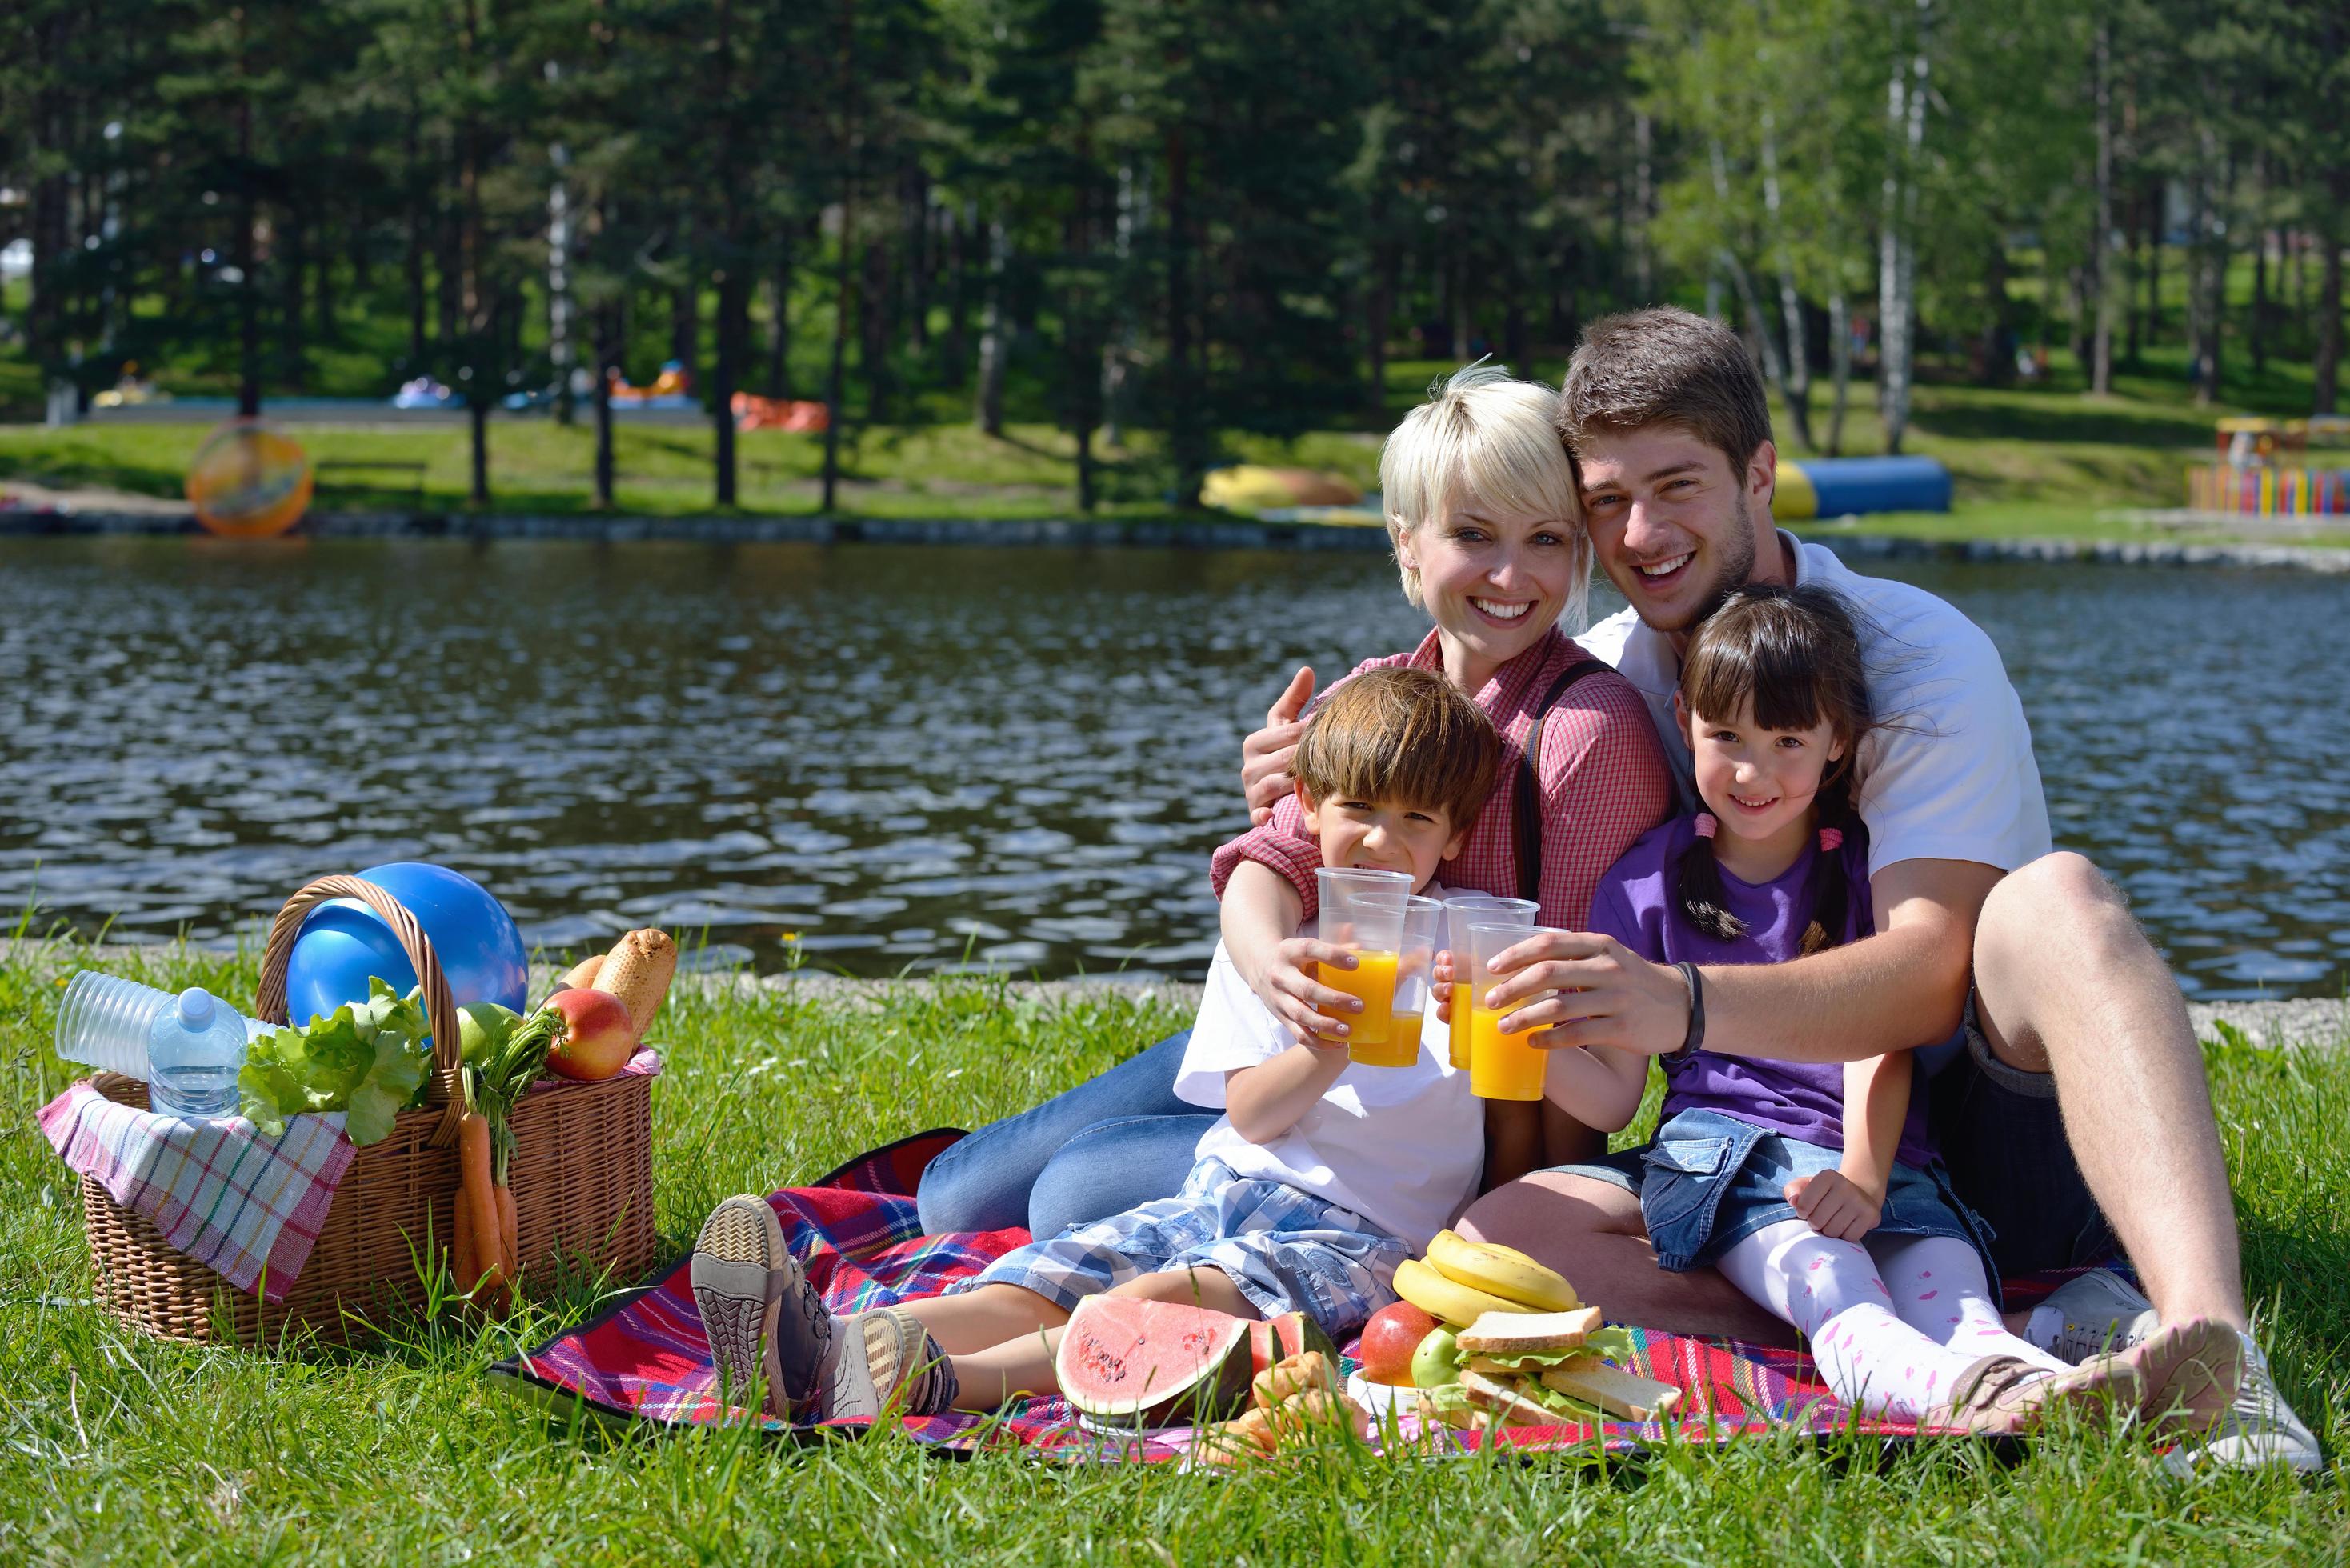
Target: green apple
[[1437, 1360]]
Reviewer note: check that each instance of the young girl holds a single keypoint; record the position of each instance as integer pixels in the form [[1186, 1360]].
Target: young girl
[[1813, 1188], [1318, 1179]]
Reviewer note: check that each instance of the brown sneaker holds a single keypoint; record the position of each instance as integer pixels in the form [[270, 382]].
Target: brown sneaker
[[888, 1366], [2188, 1372], [2008, 1396]]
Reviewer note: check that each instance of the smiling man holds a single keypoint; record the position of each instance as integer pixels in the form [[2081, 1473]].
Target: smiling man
[[2068, 1093]]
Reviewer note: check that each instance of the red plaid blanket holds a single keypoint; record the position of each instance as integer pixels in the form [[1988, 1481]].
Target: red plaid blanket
[[857, 1233]]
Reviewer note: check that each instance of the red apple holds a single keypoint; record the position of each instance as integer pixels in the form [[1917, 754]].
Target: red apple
[[598, 1038], [1389, 1340]]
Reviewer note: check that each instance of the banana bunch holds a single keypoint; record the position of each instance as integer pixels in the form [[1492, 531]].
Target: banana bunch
[[1461, 1280]]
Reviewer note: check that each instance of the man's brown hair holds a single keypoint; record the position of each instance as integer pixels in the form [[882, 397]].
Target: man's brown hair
[[1400, 735], [1664, 366]]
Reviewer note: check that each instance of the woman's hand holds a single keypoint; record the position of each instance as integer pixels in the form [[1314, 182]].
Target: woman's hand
[[1264, 755], [1584, 990]]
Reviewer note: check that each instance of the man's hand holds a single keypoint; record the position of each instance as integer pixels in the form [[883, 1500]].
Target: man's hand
[[1264, 755], [1833, 1204], [1586, 990]]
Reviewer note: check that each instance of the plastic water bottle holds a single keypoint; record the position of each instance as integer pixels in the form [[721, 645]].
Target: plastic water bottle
[[105, 1021], [194, 1049]]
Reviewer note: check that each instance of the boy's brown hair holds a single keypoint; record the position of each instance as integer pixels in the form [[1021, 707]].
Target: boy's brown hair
[[1400, 735], [1664, 366]]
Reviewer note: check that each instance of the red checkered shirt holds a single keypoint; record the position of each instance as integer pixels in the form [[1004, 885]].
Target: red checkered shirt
[[1602, 773]]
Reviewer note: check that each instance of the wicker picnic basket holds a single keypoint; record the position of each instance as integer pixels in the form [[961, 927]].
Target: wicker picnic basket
[[581, 1173]]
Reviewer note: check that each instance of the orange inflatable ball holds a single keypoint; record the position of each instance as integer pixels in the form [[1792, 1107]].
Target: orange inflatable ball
[[249, 482]]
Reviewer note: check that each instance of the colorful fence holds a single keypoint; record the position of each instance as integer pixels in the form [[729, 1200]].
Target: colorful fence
[[2268, 491]]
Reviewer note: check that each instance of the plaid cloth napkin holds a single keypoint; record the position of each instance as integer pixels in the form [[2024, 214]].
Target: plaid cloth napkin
[[220, 1192]]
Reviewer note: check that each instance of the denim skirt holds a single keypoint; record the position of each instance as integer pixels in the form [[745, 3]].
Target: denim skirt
[[1707, 1182]]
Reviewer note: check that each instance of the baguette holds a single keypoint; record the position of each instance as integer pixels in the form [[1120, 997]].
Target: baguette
[[581, 976], [637, 970], [1291, 1376]]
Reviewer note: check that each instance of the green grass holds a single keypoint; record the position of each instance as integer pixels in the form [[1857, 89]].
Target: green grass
[[116, 1449]]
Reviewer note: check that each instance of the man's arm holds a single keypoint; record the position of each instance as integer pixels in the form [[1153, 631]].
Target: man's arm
[[1904, 987]]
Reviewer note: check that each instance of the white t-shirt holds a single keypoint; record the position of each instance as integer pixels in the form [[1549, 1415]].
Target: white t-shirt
[[1402, 1147], [1953, 779]]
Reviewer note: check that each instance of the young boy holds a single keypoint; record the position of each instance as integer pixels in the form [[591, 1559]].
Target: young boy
[[1319, 1179]]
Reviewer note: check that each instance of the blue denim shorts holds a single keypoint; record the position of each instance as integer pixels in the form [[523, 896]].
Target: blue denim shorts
[[1707, 1182]]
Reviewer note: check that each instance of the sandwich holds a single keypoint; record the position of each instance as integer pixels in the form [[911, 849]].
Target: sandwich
[[1547, 1368]]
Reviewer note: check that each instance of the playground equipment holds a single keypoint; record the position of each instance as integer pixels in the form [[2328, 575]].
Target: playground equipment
[[2262, 469], [756, 414], [248, 481], [672, 389], [1841, 486], [1252, 487]]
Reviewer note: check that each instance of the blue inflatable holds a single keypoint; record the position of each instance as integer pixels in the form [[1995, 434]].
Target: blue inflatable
[[343, 942], [1841, 486]]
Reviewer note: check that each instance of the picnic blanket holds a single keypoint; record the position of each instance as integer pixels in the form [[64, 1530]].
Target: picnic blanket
[[243, 1204], [857, 1233]]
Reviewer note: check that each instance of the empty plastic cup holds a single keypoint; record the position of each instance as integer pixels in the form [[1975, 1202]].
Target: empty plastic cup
[[1363, 911], [1500, 1067], [1483, 908]]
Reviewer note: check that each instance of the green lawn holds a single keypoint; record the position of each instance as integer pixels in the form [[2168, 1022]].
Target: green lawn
[[115, 1448]]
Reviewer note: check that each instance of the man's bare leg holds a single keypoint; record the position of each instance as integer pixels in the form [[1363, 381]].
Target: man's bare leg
[[2065, 983], [1591, 1232]]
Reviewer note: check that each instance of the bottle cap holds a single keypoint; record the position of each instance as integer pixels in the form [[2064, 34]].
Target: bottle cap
[[197, 1007]]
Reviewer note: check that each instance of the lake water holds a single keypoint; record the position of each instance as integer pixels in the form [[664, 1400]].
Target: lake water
[[896, 759]]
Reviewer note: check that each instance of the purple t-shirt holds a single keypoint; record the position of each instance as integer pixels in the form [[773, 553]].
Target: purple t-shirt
[[1635, 904]]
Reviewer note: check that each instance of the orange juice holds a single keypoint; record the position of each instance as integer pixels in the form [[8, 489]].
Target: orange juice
[[1503, 1066], [1460, 1025], [1373, 979], [1402, 1049]]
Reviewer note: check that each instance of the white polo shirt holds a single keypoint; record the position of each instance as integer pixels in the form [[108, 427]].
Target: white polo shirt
[[1951, 779]]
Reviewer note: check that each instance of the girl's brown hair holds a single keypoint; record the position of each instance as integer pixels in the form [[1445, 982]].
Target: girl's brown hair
[[1795, 654], [1402, 734]]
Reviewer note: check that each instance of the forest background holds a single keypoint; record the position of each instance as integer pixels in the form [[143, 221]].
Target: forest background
[[1128, 239]]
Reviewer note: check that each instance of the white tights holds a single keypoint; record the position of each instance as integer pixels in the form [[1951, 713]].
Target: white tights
[[1891, 1323]]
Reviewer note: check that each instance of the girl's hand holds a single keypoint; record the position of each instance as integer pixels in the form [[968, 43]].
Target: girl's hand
[[1309, 1008], [1833, 1204], [1264, 755], [1587, 990]]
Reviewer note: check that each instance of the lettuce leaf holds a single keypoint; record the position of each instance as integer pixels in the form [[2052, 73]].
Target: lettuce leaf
[[365, 1058]]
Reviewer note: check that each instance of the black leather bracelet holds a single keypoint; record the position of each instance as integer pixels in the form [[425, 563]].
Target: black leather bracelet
[[1695, 1038]]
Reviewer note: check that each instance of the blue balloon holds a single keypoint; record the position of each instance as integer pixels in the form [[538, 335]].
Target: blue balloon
[[343, 942]]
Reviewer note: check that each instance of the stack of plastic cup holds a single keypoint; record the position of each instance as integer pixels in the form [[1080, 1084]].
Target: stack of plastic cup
[[1423, 933], [1461, 911], [1363, 911], [105, 1021], [1500, 1067]]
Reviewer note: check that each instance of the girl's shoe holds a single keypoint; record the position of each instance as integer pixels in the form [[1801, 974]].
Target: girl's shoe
[[2189, 1371], [871, 1366], [746, 1282], [2008, 1396]]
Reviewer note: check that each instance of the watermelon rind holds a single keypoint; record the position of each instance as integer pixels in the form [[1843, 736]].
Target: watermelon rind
[[1124, 1362]]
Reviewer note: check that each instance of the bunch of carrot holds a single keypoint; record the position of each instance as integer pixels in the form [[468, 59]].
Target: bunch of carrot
[[488, 1255]]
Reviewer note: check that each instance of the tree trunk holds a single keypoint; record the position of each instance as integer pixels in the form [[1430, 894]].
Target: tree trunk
[[873, 345], [730, 277], [1383, 281], [2101, 350], [608, 339], [1187, 424], [1999, 338], [294, 256], [475, 302], [2132, 310], [844, 288], [1795, 390], [1839, 367], [2327, 373], [685, 328], [248, 217], [2157, 201], [2257, 337], [987, 405], [1896, 263], [779, 327], [1643, 202], [965, 231]]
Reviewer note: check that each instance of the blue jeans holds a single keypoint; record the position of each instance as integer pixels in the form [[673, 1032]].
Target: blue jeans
[[1100, 1148]]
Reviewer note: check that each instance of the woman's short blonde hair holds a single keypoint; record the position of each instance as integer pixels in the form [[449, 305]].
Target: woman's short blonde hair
[[1486, 437]]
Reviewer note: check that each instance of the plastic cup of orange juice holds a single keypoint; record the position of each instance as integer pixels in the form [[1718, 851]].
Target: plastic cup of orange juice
[[1423, 930], [1461, 910], [1500, 1067], [1363, 911]]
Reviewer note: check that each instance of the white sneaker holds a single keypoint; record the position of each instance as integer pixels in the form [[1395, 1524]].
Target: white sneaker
[[2257, 1429], [2090, 1315]]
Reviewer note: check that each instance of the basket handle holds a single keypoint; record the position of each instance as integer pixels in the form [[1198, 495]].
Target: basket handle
[[446, 1088]]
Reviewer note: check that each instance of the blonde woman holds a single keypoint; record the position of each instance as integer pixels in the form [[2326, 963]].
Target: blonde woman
[[1481, 506]]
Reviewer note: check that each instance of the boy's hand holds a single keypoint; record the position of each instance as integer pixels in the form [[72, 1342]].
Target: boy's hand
[[1264, 755], [1833, 1204], [1309, 1008], [1440, 980]]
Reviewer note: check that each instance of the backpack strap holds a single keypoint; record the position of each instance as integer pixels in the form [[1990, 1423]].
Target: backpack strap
[[1529, 797]]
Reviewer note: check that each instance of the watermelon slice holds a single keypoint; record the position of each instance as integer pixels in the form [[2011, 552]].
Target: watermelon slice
[[1126, 1361], [1291, 1333]]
